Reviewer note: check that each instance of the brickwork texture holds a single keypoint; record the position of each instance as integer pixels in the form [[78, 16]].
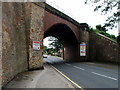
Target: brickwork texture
[[103, 49], [23, 23]]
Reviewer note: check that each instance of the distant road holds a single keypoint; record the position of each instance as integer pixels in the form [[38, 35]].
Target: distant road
[[87, 75]]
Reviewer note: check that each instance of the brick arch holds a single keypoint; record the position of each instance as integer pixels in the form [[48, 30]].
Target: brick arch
[[62, 32], [67, 37], [51, 19]]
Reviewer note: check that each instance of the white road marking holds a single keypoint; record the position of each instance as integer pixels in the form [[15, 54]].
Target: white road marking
[[78, 68], [67, 64], [75, 66], [104, 76]]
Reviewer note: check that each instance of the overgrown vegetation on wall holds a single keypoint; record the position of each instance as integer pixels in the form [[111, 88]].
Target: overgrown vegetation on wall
[[102, 30]]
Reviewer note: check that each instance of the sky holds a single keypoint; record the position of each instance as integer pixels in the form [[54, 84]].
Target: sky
[[81, 12]]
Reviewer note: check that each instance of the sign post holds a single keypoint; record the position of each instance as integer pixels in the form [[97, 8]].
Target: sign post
[[36, 45], [82, 49]]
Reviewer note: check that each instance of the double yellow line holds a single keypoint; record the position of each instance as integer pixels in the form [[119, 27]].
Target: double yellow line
[[67, 78]]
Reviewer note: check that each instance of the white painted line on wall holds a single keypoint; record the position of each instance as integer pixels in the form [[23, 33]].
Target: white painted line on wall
[[104, 76], [78, 68]]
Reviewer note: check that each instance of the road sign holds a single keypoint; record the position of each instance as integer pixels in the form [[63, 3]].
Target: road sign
[[83, 49], [36, 45]]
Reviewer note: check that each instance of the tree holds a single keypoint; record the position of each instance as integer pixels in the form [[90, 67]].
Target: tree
[[101, 28], [55, 43], [108, 6], [50, 51], [45, 49]]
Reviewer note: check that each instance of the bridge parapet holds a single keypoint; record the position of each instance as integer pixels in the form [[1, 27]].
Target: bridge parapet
[[60, 14]]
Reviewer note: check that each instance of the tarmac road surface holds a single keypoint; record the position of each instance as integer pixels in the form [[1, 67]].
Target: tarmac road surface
[[87, 74]]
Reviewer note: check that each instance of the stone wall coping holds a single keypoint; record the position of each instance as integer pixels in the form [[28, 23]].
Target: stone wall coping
[[105, 37], [41, 4]]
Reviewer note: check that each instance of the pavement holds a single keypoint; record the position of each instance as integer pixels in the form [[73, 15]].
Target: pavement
[[47, 78], [88, 74]]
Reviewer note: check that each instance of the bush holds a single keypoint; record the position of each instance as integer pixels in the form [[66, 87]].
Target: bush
[[113, 36], [96, 31], [90, 29], [102, 32], [106, 34]]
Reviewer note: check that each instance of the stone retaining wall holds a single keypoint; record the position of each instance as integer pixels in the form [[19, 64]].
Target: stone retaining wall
[[14, 55], [103, 49], [22, 23]]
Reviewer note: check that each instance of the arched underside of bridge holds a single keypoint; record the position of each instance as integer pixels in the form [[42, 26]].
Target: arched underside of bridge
[[68, 39]]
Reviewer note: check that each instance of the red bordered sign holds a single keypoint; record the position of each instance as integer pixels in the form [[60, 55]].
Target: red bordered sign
[[83, 49], [36, 45]]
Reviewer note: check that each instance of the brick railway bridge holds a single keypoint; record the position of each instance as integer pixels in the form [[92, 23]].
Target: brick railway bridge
[[23, 23]]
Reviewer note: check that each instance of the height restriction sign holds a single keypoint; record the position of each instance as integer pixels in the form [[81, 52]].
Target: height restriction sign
[[83, 49], [36, 45]]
